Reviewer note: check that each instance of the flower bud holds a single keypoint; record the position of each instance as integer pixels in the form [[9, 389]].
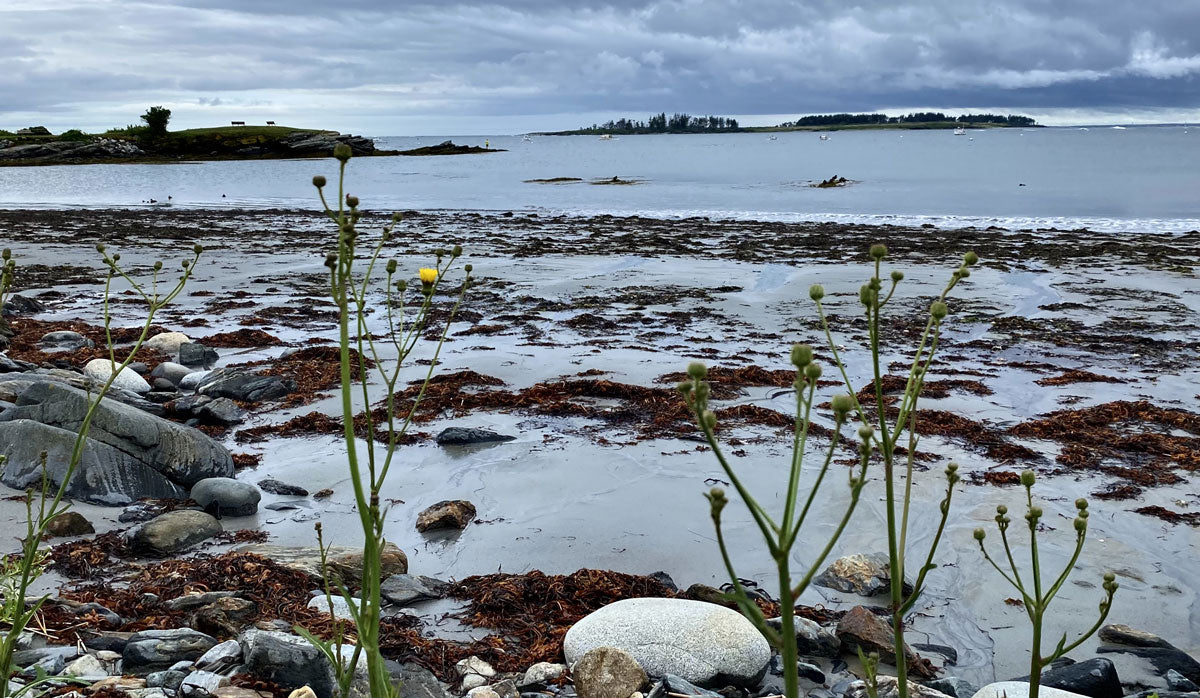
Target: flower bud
[[197, 248], [467, 268], [116, 256], [391, 266], [710, 420], [1080, 524], [331, 260], [1001, 510], [970, 259], [401, 285], [963, 272], [812, 371], [697, 370], [1036, 512], [456, 251], [878, 251], [1027, 478], [184, 263], [938, 310], [864, 295], [342, 152], [1110, 577], [875, 284], [157, 265], [397, 217], [842, 404], [1081, 504], [319, 181], [7, 253], [802, 355], [352, 201], [865, 432], [685, 387], [99, 248], [897, 276], [816, 292], [980, 534]]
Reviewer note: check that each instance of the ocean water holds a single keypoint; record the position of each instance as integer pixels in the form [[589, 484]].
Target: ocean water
[[1132, 179]]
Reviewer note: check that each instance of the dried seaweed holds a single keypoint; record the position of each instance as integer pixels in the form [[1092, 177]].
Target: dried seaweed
[[1191, 518], [1078, 376], [23, 346], [240, 339]]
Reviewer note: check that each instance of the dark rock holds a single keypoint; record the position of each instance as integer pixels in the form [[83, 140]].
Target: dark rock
[[224, 617], [1095, 677], [403, 589], [281, 488], [142, 511], [463, 436], [953, 686], [417, 682], [323, 143], [446, 514], [230, 497], [190, 602], [8, 365], [129, 454], [861, 628], [109, 617], [1178, 682], [244, 386], [70, 523], [162, 385], [165, 679], [221, 411], [64, 340], [172, 532], [675, 684], [24, 658], [157, 650], [665, 579], [288, 660], [1124, 635], [171, 372], [111, 640], [22, 305], [805, 670], [194, 354], [1164, 659], [946, 651], [812, 640]]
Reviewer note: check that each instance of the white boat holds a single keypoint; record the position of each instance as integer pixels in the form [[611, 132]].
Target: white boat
[[1119, 128], [960, 131], [606, 137], [772, 138], [823, 137], [527, 138]]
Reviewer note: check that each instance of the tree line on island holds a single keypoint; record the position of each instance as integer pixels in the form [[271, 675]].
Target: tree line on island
[[686, 123]]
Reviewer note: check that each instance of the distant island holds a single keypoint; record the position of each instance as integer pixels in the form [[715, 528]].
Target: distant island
[[153, 143], [684, 123]]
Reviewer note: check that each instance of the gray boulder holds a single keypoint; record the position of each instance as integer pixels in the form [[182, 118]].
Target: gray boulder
[[455, 513], [403, 589], [101, 370], [699, 642], [196, 354], [171, 371], [158, 650], [811, 638], [274, 486], [129, 453], [464, 436], [288, 660], [173, 531], [228, 496], [244, 386], [221, 411], [22, 305], [64, 340]]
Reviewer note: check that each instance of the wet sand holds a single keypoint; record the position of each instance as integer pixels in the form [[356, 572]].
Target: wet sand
[[630, 301]]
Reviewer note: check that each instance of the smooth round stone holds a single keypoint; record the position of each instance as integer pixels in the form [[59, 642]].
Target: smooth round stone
[[191, 380], [699, 642], [171, 371], [167, 342], [101, 369], [232, 497], [63, 340]]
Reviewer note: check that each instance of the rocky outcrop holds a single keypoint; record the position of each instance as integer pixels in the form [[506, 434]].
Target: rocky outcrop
[[66, 151], [309, 143], [129, 454]]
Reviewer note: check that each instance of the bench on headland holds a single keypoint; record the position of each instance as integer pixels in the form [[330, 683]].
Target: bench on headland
[[237, 123], [270, 123]]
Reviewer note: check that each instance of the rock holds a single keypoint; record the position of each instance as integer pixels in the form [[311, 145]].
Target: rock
[[812, 640], [1124, 635], [196, 354], [417, 682], [244, 386], [84, 609], [70, 523], [165, 679], [861, 628], [323, 143], [607, 672], [700, 642], [341, 609], [1095, 678], [156, 650], [1164, 659], [99, 370], [171, 372], [228, 496], [222, 656], [1178, 682], [191, 380], [707, 594], [1012, 689], [190, 602], [865, 575], [462, 436], [8, 365], [129, 454], [167, 342], [221, 411], [953, 686], [288, 660], [889, 688], [455, 513], [403, 589], [172, 532], [344, 561], [276, 487], [542, 673], [86, 667], [674, 684], [223, 617], [64, 340], [482, 692], [474, 672], [22, 305], [202, 684], [804, 670]]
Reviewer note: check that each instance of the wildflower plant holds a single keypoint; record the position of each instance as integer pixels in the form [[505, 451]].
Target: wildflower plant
[[1037, 599], [351, 293], [880, 432], [48, 501]]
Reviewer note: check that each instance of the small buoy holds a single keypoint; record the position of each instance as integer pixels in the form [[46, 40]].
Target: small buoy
[[1021, 184]]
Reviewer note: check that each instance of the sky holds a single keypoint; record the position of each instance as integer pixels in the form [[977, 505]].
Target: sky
[[400, 67]]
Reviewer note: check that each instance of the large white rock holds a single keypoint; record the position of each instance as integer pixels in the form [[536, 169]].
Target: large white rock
[[1020, 689], [697, 641], [127, 379], [167, 342]]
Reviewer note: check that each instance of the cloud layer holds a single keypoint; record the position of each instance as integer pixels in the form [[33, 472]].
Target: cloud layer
[[375, 65]]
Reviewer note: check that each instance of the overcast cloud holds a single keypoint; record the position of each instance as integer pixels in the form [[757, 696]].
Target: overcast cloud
[[393, 67]]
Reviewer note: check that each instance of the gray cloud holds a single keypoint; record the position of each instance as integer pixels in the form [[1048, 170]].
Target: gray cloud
[[361, 62]]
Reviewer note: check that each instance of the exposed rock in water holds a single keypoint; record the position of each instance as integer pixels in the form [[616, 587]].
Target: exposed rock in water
[[448, 148], [455, 513], [67, 151], [865, 575], [345, 562], [281, 488], [229, 497], [462, 436], [129, 454], [172, 532]]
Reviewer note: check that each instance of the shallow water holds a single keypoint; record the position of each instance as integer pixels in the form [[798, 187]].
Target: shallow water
[[1136, 179]]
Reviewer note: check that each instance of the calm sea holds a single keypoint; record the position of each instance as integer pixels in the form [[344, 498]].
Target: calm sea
[[1137, 178]]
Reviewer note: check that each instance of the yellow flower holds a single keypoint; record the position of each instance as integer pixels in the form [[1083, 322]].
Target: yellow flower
[[428, 276]]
